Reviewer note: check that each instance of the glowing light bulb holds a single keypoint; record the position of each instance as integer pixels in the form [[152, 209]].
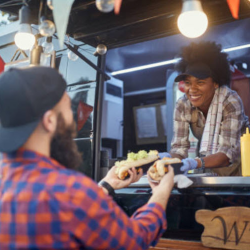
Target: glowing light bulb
[[72, 56], [192, 22], [47, 28], [24, 39], [105, 5]]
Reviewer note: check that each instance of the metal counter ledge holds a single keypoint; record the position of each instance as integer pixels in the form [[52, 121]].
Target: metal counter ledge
[[201, 183], [206, 192]]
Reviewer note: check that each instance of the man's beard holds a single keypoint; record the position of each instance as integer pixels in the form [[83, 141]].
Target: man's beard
[[63, 148]]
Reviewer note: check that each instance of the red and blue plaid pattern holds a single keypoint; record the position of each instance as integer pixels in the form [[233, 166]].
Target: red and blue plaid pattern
[[43, 205]]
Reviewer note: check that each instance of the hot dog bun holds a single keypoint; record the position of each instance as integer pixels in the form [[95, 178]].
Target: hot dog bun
[[135, 160], [159, 168]]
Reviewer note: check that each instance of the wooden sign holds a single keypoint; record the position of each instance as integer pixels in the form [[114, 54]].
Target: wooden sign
[[227, 228]]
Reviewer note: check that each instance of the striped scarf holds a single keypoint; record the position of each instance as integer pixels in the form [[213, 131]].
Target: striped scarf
[[210, 137]]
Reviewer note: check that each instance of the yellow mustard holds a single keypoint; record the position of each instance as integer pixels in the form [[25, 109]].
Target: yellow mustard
[[245, 153]]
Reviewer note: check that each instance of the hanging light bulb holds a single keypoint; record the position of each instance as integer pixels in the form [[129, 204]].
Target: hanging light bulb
[[105, 5], [71, 55], [192, 22], [24, 39], [101, 49], [47, 45], [47, 27]]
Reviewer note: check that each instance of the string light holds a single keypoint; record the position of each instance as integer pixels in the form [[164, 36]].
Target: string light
[[46, 27], [173, 61], [71, 55], [24, 39], [192, 22], [101, 49], [105, 5]]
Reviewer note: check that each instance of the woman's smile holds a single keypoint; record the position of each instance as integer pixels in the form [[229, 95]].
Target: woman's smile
[[195, 98]]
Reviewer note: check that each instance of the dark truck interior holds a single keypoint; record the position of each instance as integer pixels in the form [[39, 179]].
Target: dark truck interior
[[146, 32], [154, 79]]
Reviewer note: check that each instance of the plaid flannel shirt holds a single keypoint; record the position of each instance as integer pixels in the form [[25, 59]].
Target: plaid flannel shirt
[[234, 123], [43, 205]]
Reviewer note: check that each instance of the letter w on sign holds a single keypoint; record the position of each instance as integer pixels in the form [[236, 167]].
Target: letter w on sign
[[227, 228]]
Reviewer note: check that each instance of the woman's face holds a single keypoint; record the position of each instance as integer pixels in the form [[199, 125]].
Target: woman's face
[[200, 92]]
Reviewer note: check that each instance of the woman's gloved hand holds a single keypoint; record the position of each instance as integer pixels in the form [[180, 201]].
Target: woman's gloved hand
[[164, 154], [188, 164]]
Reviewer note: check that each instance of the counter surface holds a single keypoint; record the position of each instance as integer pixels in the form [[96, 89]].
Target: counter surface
[[207, 192], [202, 184], [201, 180]]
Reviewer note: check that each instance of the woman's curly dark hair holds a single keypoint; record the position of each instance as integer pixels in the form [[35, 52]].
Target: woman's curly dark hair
[[210, 54]]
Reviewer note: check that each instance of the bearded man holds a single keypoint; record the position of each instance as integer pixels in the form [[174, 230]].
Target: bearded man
[[44, 202]]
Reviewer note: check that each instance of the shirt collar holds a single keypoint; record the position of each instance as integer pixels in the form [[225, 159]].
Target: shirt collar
[[29, 156], [193, 108]]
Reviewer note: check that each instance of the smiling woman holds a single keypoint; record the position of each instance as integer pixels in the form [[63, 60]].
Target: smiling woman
[[200, 92], [211, 109]]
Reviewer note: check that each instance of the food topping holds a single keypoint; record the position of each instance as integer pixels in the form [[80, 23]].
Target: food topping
[[135, 160]]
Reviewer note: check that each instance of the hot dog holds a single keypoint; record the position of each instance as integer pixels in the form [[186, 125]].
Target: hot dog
[[138, 160], [159, 168]]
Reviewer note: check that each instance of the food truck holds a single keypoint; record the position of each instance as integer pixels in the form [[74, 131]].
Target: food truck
[[116, 94]]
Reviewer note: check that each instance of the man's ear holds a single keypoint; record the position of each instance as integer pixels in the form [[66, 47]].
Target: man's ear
[[216, 85], [49, 121]]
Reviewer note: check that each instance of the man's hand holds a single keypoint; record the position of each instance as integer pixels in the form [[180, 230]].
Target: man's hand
[[116, 183], [161, 191], [167, 182], [188, 164]]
